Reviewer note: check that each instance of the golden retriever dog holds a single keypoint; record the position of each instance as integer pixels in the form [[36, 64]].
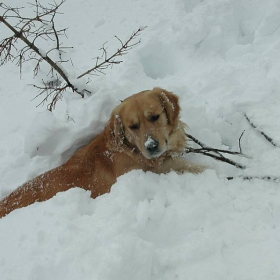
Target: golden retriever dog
[[144, 132]]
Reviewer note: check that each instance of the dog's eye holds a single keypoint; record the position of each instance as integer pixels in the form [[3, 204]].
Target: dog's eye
[[154, 118], [134, 126]]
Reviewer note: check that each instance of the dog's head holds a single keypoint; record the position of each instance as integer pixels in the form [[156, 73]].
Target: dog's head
[[146, 122]]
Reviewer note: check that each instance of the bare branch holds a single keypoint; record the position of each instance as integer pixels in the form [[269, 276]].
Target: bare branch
[[6, 47], [269, 139], [214, 153], [41, 27], [54, 89], [239, 141], [110, 61], [29, 30], [207, 151], [273, 179]]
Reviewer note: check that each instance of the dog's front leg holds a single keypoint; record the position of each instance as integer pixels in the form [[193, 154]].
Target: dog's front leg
[[179, 165]]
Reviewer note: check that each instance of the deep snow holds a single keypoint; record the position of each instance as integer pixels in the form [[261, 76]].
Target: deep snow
[[223, 59]]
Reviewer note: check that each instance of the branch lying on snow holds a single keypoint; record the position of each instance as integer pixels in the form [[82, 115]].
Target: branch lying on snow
[[272, 179], [214, 153], [218, 155], [269, 139]]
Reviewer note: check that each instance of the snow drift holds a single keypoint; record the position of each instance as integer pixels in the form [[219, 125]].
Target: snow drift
[[222, 59]]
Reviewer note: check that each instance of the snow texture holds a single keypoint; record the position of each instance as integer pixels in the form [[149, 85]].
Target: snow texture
[[222, 59]]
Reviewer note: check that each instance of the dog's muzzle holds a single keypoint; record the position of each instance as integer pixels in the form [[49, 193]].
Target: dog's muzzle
[[152, 146]]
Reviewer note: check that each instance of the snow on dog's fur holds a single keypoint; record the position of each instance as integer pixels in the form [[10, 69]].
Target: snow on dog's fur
[[144, 132]]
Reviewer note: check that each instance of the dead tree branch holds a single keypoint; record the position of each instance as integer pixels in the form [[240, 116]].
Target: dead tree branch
[[214, 153], [218, 155], [272, 179], [29, 31], [113, 59], [32, 31]]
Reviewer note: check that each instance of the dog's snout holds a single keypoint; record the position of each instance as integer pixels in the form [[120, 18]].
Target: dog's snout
[[151, 145]]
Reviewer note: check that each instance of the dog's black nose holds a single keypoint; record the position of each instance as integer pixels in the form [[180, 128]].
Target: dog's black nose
[[151, 145]]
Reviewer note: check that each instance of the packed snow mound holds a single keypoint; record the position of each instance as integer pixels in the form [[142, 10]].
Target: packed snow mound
[[149, 227], [222, 59]]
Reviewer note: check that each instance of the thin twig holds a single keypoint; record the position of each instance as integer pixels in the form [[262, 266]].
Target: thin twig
[[195, 140], [273, 179], [269, 139], [37, 51], [239, 141]]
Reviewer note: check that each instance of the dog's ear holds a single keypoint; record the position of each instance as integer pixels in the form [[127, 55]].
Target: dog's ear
[[170, 103], [116, 129]]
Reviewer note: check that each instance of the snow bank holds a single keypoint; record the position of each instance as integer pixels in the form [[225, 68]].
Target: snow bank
[[221, 58], [149, 227]]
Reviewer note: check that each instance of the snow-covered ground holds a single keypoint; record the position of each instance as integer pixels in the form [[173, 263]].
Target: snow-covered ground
[[222, 57]]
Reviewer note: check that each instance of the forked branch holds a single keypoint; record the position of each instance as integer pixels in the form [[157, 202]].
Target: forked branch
[[218, 155], [107, 61], [214, 153], [31, 31]]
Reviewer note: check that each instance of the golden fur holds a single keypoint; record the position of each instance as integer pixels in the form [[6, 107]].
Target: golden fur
[[144, 132]]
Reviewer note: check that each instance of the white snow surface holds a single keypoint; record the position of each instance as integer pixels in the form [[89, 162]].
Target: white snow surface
[[222, 58]]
